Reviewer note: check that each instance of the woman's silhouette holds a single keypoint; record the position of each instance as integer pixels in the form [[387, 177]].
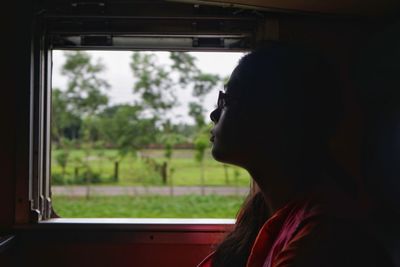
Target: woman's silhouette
[[276, 119]]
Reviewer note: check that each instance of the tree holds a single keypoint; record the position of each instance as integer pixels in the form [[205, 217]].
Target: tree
[[124, 127], [84, 97], [201, 143], [169, 138], [153, 82], [62, 158], [64, 124], [157, 84], [196, 111], [85, 89]]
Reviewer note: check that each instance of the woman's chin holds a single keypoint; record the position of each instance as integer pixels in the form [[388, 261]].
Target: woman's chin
[[219, 155], [216, 153], [226, 157]]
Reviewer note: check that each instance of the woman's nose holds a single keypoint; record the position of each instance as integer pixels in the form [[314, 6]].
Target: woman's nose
[[215, 114]]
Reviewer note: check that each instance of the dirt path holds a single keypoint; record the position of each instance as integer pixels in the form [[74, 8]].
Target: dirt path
[[150, 190]]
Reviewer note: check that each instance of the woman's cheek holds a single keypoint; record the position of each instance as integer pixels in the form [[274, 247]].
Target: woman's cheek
[[223, 139]]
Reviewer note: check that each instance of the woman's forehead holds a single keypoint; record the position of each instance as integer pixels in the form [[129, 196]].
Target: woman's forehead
[[233, 83]]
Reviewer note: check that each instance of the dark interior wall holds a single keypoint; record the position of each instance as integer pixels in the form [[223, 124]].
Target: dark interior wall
[[14, 103], [331, 35], [15, 80], [366, 52], [339, 40]]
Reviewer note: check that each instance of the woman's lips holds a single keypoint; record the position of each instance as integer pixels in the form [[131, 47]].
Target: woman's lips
[[212, 135]]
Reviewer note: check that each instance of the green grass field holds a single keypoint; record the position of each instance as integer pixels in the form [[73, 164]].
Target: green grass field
[[148, 206], [138, 171], [135, 170]]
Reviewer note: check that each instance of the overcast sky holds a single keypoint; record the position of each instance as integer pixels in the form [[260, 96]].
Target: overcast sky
[[119, 76]]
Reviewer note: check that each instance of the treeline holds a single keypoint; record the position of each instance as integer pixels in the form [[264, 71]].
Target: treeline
[[82, 116], [118, 127]]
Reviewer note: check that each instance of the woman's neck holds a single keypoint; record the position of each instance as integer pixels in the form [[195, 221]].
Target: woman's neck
[[277, 189]]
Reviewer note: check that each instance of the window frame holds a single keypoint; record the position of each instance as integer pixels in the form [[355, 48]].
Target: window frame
[[33, 201], [33, 190]]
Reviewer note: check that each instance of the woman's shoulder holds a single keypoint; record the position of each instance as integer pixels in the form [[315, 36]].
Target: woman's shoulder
[[330, 238], [325, 229]]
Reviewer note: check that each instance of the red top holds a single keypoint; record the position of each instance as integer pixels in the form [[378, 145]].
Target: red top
[[317, 230], [277, 240]]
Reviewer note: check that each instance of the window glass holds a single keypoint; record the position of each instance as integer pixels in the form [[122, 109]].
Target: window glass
[[130, 135]]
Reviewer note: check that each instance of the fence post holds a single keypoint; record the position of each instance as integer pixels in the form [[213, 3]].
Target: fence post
[[116, 171], [202, 179], [237, 174], [164, 170], [226, 174], [87, 180], [171, 187], [76, 172]]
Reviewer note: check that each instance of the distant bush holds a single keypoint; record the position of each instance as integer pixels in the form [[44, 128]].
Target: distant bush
[[88, 176], [57, 179]]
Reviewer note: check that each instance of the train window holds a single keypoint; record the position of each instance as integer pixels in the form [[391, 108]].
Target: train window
[[118, 111], [130, 135]]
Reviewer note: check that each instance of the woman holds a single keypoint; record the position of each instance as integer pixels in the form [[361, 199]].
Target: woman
[[276, 119]]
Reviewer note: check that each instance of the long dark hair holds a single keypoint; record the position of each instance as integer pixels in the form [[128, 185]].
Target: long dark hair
[[235, 248], [309, 88]]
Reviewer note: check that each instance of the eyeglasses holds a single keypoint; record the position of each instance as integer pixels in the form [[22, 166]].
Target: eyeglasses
[[224, 100]]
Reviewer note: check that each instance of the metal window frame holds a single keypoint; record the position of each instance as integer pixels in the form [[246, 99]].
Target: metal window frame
[[33, 202], [39, 124], [34, 206]]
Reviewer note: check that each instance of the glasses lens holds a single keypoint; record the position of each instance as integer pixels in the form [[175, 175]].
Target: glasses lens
[[221, 100]]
